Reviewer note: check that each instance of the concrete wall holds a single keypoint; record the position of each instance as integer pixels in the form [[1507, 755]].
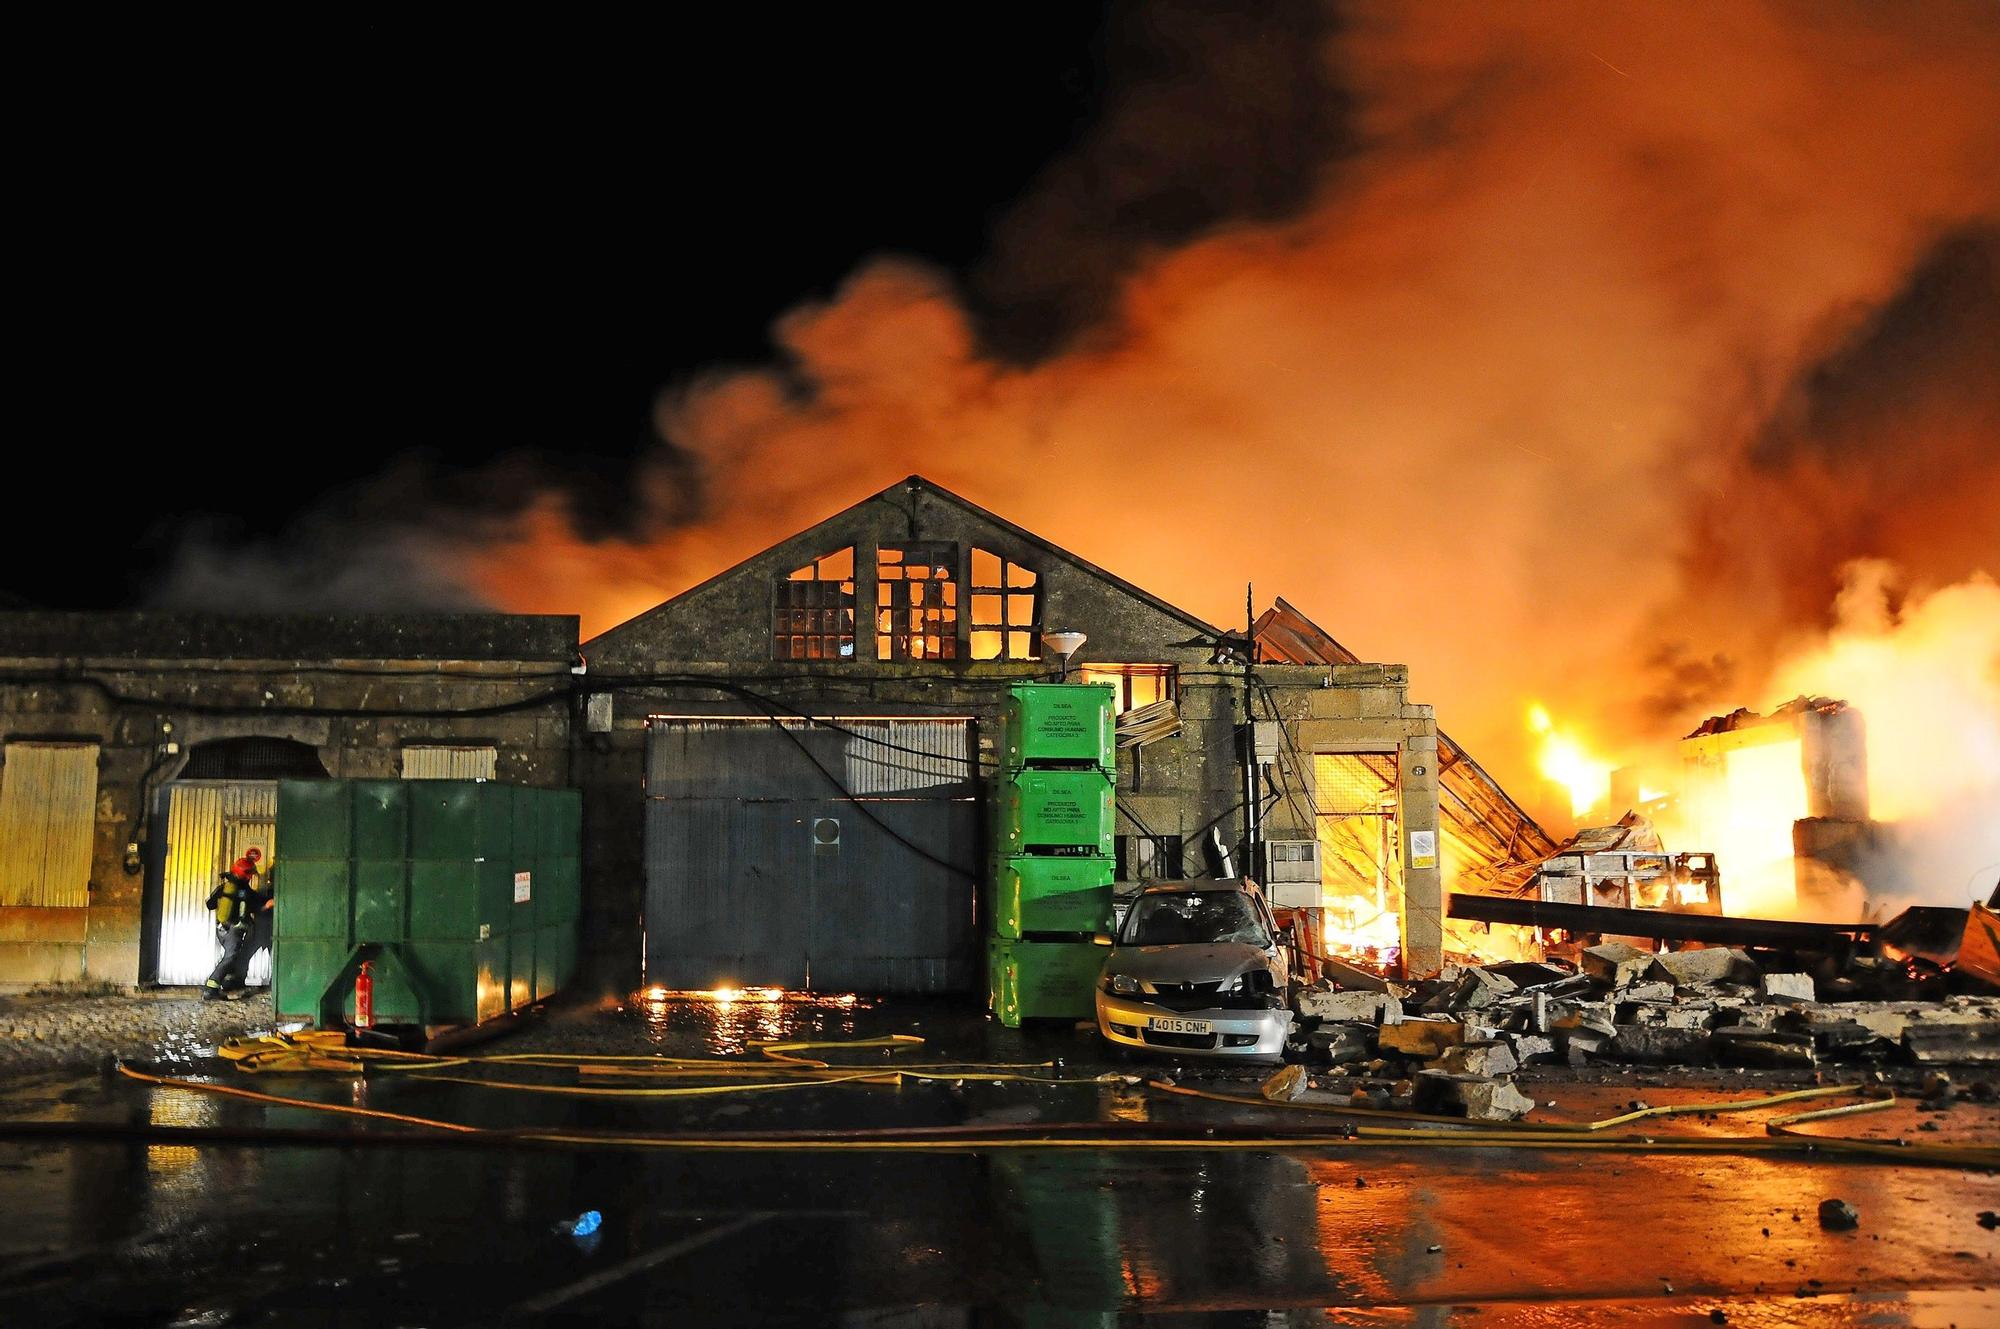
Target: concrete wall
[[356, 711]]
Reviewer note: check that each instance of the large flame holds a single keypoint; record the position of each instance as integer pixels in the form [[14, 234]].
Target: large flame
[[1563, 759]]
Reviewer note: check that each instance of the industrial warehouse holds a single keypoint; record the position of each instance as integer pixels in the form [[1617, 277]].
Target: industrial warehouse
[[787, 772]]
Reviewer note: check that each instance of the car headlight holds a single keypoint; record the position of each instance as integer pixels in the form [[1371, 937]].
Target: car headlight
[[1122, 985]]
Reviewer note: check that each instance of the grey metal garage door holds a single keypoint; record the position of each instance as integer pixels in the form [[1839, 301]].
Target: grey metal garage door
[[839, 857]]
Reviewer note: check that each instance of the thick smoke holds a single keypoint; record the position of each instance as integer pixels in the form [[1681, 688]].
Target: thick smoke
[[1555, 350]]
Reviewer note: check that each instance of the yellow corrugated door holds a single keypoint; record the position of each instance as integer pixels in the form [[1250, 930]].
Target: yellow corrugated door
[[448, 763], [48, 814]]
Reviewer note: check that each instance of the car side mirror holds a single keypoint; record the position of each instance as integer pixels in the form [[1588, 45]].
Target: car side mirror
[[1101, 939]]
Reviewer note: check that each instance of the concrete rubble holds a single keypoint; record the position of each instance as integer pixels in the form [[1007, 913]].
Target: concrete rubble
[[1454, 1042]]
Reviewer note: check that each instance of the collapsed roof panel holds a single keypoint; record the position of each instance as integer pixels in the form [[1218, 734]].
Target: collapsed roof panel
[[1495, 843]]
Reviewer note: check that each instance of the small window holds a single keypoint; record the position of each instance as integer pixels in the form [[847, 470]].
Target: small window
[[916, 606], [812, 610], [1006, 609], [1134, 685], [439, 761]]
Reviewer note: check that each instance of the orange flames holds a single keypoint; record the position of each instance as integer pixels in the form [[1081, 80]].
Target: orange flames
[[1566, 383]]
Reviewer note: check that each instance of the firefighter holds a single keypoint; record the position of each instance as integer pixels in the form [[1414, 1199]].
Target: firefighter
[[237, 903]]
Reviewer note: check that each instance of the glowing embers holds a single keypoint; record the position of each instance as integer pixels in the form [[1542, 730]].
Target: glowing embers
[[1563, 760], [916, 602]]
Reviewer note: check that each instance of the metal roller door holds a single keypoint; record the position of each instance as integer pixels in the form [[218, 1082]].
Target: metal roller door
[[840, 856]]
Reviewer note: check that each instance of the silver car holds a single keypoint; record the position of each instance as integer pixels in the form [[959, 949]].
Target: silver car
[[1197, 968]]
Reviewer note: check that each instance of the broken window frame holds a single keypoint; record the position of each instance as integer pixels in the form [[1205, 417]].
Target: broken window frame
[[1014, 631], [918, 618], [813, 610], [1166, 679]]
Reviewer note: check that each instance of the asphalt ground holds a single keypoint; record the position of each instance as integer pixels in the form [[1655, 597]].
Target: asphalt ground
[[129, 1228]]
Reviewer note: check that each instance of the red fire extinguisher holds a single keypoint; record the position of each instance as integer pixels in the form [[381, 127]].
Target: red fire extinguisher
[[364, 998]]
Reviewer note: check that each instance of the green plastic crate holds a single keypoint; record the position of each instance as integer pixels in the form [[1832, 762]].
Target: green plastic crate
[[1040, 810], [1059, 723], [1052, 894], [1042, 980]]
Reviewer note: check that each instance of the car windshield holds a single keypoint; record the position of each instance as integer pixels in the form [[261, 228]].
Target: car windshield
[[1174, 918]]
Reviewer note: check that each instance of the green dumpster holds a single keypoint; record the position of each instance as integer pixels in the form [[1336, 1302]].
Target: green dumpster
[[463, 894]]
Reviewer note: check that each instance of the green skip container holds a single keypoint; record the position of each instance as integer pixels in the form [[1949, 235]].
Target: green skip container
[[1063, 724], [1043, 980], [463, 894], [1044, 893], [1060, 811]]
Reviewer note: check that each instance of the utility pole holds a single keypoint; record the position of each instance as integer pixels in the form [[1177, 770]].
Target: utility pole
[[1252, 792]]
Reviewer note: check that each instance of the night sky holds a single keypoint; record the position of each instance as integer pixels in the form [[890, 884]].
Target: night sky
[[265, 263]]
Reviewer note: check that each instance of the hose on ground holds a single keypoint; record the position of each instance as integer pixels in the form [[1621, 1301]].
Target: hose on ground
[[1101, 1135]]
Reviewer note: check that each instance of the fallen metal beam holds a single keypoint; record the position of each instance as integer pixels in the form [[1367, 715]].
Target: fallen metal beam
[[1656, 923]]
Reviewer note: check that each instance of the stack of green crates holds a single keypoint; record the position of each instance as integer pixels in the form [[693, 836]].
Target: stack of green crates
[[1050, 887], [474, 886]]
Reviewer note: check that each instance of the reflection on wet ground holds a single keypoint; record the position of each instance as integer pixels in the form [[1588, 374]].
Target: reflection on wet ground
[[131, 1231]]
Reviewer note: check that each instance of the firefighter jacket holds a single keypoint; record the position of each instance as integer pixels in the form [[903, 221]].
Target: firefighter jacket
[[236, 901]]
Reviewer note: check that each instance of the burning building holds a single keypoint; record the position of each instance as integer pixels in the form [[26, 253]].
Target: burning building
[[1782, 800], [784, 768]]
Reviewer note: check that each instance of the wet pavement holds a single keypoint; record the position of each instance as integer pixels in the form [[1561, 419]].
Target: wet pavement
[[144, 1232]]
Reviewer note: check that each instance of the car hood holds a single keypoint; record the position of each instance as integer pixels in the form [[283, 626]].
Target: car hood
[[1193, 963]]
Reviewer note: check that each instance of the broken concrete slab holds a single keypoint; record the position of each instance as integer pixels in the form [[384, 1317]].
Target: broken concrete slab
[[1615, 963], [1946, 1043], [1474, 989], [1526, 975], [1652, 990], [1659, 1043], [1787, 987], [1529, 1048], [1482, 1059], [1710, 964], [1764, 1049], [1352, 977], [1339, 1044], [1475, 1097], [1426, 1037], [1331, 1004]]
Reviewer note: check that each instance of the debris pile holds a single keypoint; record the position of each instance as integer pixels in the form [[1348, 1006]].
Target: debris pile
[[1453, 1043]]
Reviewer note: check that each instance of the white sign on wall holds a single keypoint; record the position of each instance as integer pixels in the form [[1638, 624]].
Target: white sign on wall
[[1423, 849], [522, 882]]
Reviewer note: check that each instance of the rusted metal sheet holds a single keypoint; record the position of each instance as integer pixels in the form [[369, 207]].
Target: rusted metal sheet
[[439, 762], [209, 825], [782, 856], [48, 814]]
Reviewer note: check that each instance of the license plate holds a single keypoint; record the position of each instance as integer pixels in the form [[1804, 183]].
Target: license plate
[[1168, 1025]]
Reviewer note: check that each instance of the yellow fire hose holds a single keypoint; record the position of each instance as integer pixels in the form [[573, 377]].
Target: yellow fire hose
[[326, 1051]]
